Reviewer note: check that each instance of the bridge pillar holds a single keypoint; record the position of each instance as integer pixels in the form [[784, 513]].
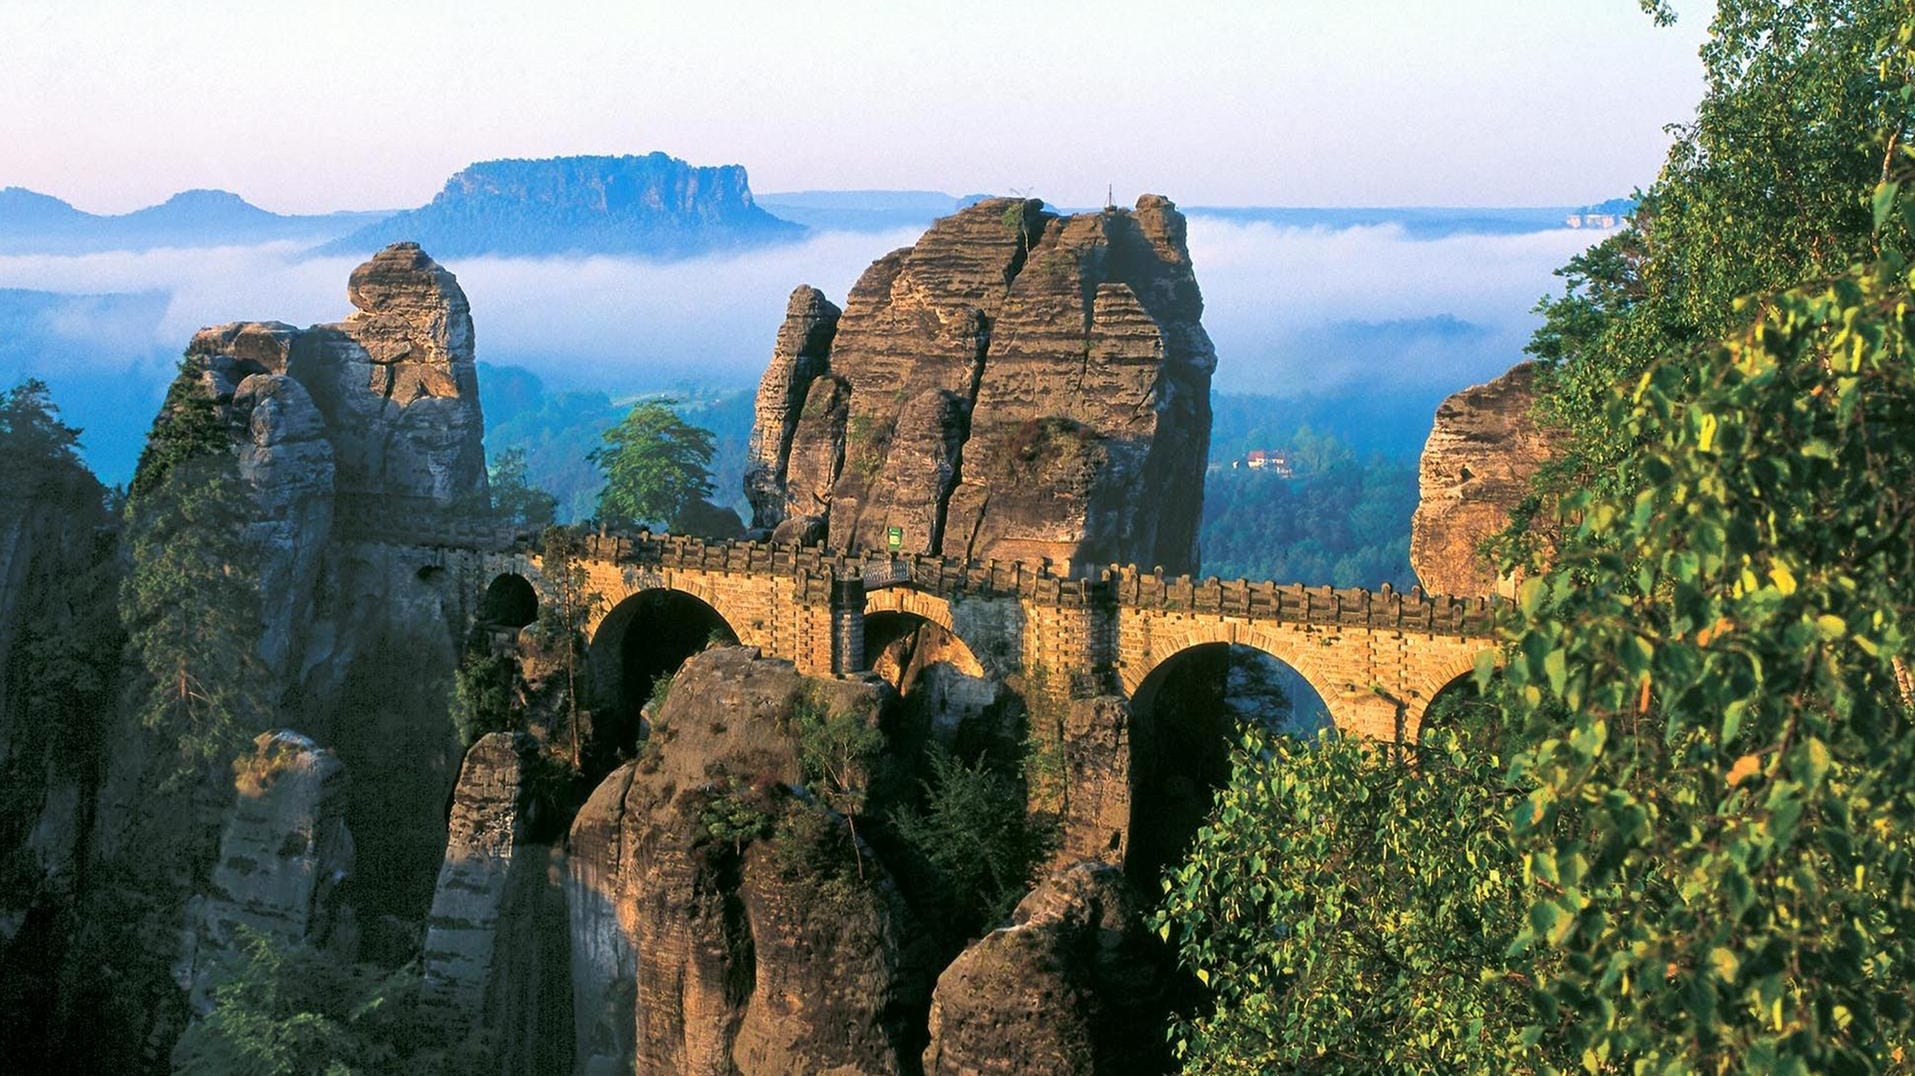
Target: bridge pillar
[[847, 626]]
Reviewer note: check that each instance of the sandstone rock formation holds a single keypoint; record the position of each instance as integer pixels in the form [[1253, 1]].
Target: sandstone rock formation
[[1098, 780], [353, 439], [1071, 986], [394, 385], [722, 923], [1015, 385], [1483, 449], [801, 354], [496, 946], [284, 853]]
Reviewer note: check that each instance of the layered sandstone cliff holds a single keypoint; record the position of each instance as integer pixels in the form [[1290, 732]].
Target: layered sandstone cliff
[[1017, 385], [722, 923], [1484, 448], [343, 432], [284, 855]]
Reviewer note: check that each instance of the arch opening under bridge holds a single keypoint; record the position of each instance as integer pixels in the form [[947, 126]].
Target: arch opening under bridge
[[642, 641], [509, 602], [948, 699], [1187, 716]]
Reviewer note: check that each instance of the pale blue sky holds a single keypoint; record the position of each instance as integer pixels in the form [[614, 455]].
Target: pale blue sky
[[114, 104]]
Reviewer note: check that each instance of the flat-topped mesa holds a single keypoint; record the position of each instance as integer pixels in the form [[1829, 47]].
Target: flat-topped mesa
[[1017, 384], [394, 385]]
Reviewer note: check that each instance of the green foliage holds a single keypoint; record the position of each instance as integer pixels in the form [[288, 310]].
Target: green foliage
[[976, 840], [64, 666], [734, 814], [1348, 907], [514, 499], [567, 603], [483, 696], [283, 1010], [661, 690], [1341, 520], [190, 600], [188, 428], [837, 750], [1770, 186], [808, 845], [1720, 837], [41, 453], [655, 463], [1707, 696]]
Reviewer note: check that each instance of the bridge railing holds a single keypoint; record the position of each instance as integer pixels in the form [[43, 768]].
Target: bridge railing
[[1125, 584], [1383, 607]]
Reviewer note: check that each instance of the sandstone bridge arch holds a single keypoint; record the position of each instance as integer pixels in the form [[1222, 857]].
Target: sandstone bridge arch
[[1376, 658]]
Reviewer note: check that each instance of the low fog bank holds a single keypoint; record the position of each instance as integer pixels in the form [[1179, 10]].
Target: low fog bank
[[1372, 315]]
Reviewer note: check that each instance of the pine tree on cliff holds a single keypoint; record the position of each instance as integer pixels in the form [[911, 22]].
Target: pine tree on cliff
[[655, 465], [190, 601]]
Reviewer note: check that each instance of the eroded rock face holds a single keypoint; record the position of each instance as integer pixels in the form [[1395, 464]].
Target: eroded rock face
[[496, 949], [1483, 449], [1098, 784], [804, 342], [284, 852], [1015, 385], [489, 814], [721, 923], [342, 431], [1072, 986]]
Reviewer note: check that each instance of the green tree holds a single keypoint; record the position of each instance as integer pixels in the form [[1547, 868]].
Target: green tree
[[567, 603], [655, 463], [1768, 187], [1348, 906], [483, 695], [977, 840], [190, 600], [837, 750], [514, 499], [62, 673], [1720, 837], [1706, 700], [41, 452]]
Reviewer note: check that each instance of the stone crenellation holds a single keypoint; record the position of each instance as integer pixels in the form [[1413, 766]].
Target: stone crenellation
[[1122, 584], [1377, 657]]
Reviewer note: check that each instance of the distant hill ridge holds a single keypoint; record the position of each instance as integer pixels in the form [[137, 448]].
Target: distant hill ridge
[[35, 223], [650, 206]]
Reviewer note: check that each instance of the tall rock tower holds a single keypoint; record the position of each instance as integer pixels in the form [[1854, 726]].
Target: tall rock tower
[[1018, 385]]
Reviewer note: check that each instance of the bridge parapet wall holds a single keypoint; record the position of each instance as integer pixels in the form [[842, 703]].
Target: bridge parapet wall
[[1295, 603], [1377, 656]]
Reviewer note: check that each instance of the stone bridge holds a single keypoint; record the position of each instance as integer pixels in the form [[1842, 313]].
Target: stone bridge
[[1377, 658], [1113, 751]]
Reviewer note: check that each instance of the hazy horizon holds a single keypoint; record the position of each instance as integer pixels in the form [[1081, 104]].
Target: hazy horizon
[[1304, 103]]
